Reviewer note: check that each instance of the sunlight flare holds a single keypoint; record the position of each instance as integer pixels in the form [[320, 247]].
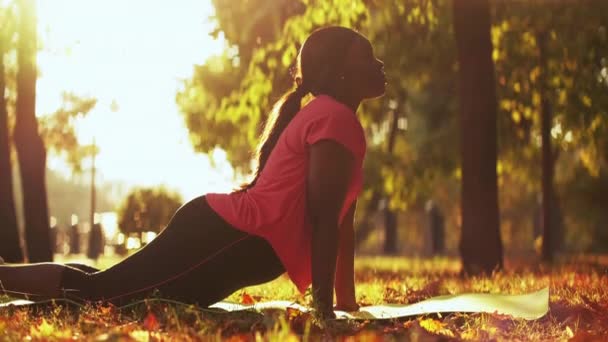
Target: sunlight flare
[[131, 56]]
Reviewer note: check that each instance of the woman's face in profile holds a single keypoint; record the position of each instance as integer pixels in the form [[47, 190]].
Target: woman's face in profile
[[363, 72]]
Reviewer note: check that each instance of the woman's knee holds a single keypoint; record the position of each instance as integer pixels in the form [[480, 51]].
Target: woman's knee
[[77, 284]]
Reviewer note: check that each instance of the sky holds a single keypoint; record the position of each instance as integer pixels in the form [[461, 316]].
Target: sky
[[133, 53]]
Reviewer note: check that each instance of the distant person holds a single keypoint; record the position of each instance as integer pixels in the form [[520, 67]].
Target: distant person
[[436, 223], [96, 242], [295, 216], [58, 238], [53, 237], [74, 239]]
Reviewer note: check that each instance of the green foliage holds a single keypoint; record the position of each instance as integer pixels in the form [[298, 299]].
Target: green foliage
[[200, 102], [8, 48], [9, 25], [576, 58], [247, 27], [57, 130], [249, 24], [147, 209], [421, 73]]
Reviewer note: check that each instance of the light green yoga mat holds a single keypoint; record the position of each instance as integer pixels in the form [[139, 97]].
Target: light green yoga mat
[[527, 306]]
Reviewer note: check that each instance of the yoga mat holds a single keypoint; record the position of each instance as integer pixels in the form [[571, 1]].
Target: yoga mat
[[529, 306]]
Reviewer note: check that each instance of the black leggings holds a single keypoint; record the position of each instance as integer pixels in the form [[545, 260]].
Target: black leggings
[[198, 258]]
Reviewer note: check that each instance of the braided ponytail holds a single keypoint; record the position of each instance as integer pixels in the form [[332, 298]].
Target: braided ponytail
[[284, 110]]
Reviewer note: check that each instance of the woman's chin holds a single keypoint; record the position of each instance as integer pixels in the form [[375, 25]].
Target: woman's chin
[[379, 92]]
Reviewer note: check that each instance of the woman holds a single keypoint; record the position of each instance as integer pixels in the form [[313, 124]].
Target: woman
[[295, 216]]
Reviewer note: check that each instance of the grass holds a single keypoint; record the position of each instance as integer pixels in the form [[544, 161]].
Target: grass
[[578, 309]]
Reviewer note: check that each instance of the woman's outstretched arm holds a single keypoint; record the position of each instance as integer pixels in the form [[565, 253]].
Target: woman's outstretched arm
[[329, 174], [345, 267]]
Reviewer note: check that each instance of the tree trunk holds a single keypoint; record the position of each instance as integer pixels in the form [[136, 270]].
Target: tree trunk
[[480, 242], [10, 246], [29, 144], [390, 229], [547, 158], [365, 227], [390, 218], [93, 206]]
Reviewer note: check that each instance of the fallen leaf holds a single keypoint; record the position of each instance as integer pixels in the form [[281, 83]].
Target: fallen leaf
[[44, 330], [247, 299], [150, 322], [569, 332]]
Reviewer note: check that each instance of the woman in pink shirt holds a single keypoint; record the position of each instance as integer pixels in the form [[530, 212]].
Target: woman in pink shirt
[[295, 216]]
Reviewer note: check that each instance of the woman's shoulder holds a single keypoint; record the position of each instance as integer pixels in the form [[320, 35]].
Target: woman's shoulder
[[325, 107], [323, 110], [327, 118]]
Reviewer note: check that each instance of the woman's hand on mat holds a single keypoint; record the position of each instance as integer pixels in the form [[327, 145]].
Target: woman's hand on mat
[[322, 310], [324, 314]]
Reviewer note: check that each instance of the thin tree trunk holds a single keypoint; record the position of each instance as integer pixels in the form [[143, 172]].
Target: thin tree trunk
[[93, 206], [10, 247], [390, 218], [480, 242], [390, 236], [547, 158], [365, 227], [29, 144]]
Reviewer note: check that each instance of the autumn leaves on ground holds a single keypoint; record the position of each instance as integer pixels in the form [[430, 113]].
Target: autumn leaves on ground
[[578, 309]]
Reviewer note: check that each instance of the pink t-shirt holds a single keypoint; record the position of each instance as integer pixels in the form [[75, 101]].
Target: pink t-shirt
[[275, 208]]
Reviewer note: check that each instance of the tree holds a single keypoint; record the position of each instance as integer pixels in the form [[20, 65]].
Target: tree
[[9, 233], [390, 218], [147, 209], [58, 132], [480, 244], [56, 129], [571, 81], [29, 144], [253, 23], [548, 164]]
